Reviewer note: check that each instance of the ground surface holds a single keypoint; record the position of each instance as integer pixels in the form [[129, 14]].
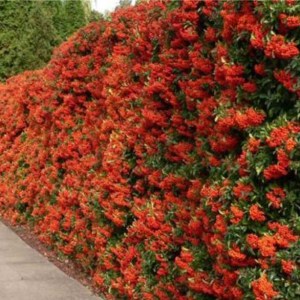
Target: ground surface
[[26, 275]]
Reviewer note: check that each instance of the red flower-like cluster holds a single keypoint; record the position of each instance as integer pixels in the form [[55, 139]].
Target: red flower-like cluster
[[263, 289], [278, 48]]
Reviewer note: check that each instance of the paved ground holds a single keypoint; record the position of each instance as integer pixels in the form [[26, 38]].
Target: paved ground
[[27, 275]]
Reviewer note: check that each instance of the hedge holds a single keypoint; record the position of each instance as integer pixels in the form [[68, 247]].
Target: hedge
[[159, 149]]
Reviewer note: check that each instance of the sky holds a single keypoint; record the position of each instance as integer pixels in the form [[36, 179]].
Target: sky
[[104, 5]]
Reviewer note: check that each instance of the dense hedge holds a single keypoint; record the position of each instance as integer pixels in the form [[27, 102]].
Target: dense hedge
[[160, 150]]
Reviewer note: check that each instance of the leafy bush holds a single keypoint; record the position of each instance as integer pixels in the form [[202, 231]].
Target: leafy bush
[[160, 150]]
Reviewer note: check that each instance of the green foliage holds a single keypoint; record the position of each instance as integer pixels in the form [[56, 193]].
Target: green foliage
[[56, 11], [74, 16], [124, 3], [95, 16], [11, 17], [39, 38], [31, 29]]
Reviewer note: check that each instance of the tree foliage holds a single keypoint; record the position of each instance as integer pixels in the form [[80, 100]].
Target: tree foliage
[[124, 3], [29, 30], [75, 16]]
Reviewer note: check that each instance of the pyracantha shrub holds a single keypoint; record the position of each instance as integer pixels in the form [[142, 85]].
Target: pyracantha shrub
[[160, 150]]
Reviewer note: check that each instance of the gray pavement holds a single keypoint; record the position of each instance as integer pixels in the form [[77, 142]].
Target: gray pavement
[[26, 275]]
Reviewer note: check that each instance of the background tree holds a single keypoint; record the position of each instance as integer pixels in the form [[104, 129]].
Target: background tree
[[56, 10], [95, 16], [75, 16], [29, 30], [124, 3], [38, 39], [13, 15]]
